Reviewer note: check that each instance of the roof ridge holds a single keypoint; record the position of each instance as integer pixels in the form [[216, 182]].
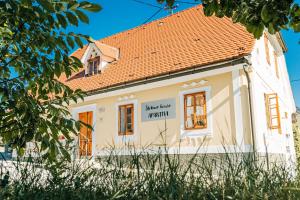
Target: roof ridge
[[101, 43]]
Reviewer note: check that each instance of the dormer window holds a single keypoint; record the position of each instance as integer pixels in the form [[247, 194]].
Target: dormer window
[[93, 65], [97, 56]]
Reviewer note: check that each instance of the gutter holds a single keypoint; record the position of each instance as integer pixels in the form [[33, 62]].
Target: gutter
[[247, 70], [170, 75]]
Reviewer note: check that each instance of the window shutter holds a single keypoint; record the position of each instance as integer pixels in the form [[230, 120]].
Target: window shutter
[[267, 48], [276, 64], [85, 134]]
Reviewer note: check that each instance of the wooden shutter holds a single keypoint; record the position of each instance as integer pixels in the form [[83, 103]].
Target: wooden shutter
[[267, 48], [276, 64], [85, 135]]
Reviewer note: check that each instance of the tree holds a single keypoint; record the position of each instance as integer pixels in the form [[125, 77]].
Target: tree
[[255, 15], [34, 51]]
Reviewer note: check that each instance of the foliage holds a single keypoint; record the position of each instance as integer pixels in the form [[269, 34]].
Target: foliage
[[296, 131], [151, 176], [34, 51], [255, 15]]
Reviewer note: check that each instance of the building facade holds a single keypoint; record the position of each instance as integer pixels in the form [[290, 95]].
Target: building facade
[[192, 83]]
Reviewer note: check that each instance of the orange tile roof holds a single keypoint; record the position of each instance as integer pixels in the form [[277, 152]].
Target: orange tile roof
[[174, 43]]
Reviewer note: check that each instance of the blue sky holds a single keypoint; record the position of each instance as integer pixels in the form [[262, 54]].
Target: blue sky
[[120, 15]]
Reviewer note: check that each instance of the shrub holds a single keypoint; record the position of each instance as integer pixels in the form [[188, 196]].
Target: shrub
[[145, 175]]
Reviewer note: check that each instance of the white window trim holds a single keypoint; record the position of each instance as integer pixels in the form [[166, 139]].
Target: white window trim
[[197, 132], [127, 138], [87, 108]]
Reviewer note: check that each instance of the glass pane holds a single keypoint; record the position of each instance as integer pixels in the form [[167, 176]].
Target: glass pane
[[200, 99], [90, 68], [129, 119], [129, 127], [201, 121], [122, 120], [273, 111], [275, 122], [200, 110], [189, 122], [189, 111], [96, 66], [189, 100], [129, 110], [272, 101]]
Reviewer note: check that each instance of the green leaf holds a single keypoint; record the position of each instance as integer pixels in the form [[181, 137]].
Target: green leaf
[[271, 28], [72, 18], [46, 5], [21, 151], [73, 5], [70, 42], [83, 17], [296, 27], [61, 19], [265, 15], [57, 70], [258, 31], [57, 56], [90, 6], [78, 42]]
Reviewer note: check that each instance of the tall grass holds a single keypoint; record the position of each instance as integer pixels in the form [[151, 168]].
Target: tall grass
[[144, 175]]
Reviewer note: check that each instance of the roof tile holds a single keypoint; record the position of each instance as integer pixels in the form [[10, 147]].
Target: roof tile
[[174, 43]]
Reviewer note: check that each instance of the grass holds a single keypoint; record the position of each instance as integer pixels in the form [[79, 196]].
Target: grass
[[150, 176]]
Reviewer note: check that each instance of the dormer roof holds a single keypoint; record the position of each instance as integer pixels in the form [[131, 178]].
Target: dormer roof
[[108, 50]]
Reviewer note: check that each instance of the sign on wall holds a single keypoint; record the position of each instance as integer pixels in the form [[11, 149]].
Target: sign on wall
[[159, 110]]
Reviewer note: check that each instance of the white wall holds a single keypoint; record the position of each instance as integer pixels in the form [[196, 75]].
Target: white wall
[[265, 81]]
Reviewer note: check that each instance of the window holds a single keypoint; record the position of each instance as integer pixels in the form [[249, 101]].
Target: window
[[126, 119], [93, 65], [196, 118], [276, 63], [272, 111], [267, 48], [195, 111]]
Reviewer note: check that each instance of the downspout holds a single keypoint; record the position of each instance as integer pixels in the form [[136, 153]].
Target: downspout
[[246, 68]]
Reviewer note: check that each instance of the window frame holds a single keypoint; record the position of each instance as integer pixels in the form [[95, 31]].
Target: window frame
[[125, 118], [208, 131], [92, 61], [269, 116], [126, 138], [194, 106]]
